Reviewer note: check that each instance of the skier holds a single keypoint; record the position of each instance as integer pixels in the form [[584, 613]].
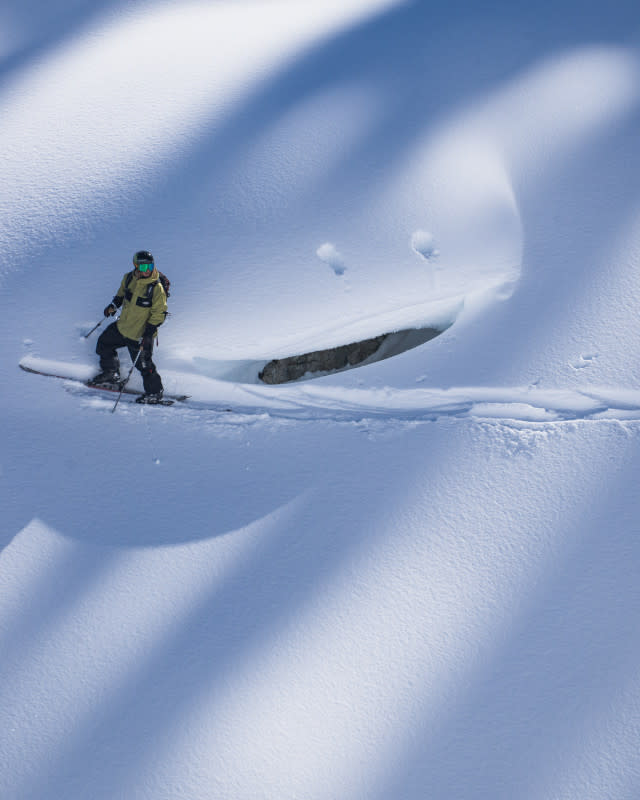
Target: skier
[[144, 308]]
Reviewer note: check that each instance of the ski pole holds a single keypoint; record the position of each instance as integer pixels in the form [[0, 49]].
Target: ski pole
[[95, 327], [126, 381]]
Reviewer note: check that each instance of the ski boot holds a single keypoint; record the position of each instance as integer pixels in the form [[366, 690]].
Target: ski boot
[[109, 380], [151, 399]]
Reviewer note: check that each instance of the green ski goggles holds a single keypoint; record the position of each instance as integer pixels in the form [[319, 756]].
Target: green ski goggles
[[145, 267]]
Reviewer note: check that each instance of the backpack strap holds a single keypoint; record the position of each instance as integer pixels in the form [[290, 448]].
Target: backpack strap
[[127, 291], [150, 289]]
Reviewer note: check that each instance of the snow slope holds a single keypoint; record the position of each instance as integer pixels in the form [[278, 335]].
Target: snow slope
[[418, 578]]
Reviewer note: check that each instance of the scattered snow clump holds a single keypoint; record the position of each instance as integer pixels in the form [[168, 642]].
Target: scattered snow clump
[[330, 255], [424, 244]]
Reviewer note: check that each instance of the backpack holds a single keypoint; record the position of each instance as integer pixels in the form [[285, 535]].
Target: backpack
[[166, 283]]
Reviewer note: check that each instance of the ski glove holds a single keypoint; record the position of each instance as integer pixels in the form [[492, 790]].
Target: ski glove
[[110, 310], [146, 343]]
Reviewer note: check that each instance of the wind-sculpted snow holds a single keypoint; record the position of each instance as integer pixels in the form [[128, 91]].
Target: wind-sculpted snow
[[503, 404], [387, 583], [340, 404], [414, 579]]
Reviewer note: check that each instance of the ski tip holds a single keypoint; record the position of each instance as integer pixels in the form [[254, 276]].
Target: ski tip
[[27, 369]]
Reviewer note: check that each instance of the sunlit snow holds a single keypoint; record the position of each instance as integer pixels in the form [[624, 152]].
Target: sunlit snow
[[416, 578]]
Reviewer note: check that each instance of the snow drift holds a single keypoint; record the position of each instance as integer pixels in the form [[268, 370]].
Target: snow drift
[[413, 579]]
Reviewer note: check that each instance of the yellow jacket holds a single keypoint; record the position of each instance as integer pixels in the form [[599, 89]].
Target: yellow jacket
[[143, 302]]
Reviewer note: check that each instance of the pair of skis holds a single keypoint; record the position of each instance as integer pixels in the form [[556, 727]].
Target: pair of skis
[[120, 389]]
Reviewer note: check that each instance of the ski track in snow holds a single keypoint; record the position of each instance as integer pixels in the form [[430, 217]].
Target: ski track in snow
[[340, 404], [492, 405]]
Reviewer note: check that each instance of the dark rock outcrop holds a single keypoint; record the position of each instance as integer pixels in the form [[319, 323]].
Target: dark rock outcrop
[[335, 359], [283, 370]]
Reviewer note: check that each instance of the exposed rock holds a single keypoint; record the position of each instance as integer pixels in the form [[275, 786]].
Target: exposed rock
[[284, 370]]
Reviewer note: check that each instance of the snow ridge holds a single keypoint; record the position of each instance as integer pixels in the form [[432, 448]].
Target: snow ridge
[[341, 404]]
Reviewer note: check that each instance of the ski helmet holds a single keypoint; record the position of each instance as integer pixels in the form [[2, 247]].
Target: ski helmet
[[142, 257]]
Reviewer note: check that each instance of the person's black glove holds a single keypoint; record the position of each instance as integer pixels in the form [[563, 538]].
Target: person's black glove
[[146, 343], [110, 310]]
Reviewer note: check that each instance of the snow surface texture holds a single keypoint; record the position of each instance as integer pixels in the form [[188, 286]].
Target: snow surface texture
[[416, 579]]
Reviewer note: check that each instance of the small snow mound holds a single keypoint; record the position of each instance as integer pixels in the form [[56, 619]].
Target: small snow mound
[[584, 360], [330, 255], [424, 245]]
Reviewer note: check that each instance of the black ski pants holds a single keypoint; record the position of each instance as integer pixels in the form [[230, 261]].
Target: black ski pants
[[110, 340]]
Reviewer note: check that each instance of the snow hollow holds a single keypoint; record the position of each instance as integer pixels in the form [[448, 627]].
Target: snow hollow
[[416, 578]]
